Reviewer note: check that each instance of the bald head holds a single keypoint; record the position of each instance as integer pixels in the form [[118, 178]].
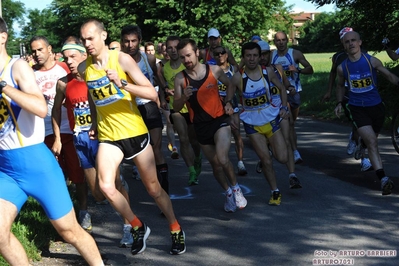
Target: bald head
[[115, 46]]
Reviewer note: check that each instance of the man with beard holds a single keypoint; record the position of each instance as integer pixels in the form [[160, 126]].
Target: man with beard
[[114, 80], [197, 86], [180, 118]]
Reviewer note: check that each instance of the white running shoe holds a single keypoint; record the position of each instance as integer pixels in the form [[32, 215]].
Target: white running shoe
[[350, 149], [127, 238], [241, 201], [365, 165], [230, 203], [297, 157]]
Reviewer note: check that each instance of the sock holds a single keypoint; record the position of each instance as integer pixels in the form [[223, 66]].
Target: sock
[[380, 173], [235, 187], [136, 223], [191, 169], [291, 175], [163, 176], [175, 227], [229, 191], [276, 190], [127, 225]]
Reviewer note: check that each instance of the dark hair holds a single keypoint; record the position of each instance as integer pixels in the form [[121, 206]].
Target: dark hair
[[250, 46], [131, 29], [184, 42], [148, 44], [3, 26], [96, 22], [172, 38], [219, 46], [39, 38]]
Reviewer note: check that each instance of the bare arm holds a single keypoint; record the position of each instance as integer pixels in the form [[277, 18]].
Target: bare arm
[[300, 59], [142, 87], [179, 98], [29, 97], [56, 116], [340, 91], [331, 81]]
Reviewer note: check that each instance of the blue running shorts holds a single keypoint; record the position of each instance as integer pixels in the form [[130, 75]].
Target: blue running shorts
[[33, 171], [86, 149]]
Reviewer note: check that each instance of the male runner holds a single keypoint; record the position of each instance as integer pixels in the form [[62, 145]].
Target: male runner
[[180, 119], [262, 113], [290, 59], [121, 130], [365, 104], [198, 86]]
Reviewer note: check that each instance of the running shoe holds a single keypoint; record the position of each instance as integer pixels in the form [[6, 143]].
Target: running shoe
[[241, 168], [140, 236], [294, 182], [297, 157], [241, 201], [359, 149], [365, 165], [127, 238], [259, 167], [351, 147], [386, 186], [170, 147], [85, 221], [178, 243], [275, 199], [175, 154], [230, 203], [193, 180], [198, 164]]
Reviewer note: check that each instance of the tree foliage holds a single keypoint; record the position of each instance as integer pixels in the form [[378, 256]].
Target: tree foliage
[[236, 21], [373, 19]]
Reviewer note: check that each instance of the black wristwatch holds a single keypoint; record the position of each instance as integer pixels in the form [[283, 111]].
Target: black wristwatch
[[124, 82], [3, 83]]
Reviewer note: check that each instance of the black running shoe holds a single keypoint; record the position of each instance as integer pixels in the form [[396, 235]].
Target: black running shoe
[[178, 243], [140, 235], [295, 183]]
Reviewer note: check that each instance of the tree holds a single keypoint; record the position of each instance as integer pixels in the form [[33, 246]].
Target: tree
[[373, 19], [160, 18], [12, 12]]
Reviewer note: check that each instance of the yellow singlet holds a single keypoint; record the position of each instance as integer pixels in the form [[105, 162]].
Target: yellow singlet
[[169, 73], [117, 114]]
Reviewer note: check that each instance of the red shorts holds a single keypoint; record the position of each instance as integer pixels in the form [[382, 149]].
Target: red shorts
[[68, 159]]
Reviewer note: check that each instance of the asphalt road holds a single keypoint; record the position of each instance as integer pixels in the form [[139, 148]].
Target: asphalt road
[[338, 210]]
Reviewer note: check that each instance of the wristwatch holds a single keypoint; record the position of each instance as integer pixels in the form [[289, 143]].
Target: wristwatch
[[124, 82], [3, 83]]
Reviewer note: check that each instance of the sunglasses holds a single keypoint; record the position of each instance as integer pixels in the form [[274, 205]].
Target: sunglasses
[[218, 54], [113, 48]]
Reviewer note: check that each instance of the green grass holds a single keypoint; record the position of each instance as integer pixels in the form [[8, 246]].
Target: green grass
[[315, 86], [34, 230]]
